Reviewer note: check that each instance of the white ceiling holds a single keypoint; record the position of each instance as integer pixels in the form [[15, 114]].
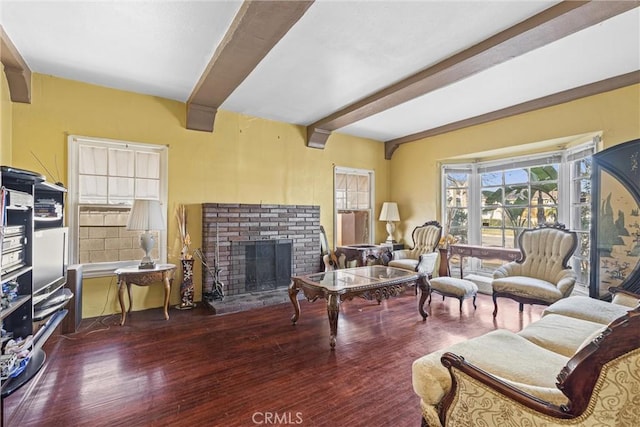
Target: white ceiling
[[339, 52]]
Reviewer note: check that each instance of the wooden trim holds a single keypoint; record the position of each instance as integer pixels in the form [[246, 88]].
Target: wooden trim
[[591, 89], [200, 117], [451, 361], [255, 30], [16, 69], [546, 27], [316, 137]]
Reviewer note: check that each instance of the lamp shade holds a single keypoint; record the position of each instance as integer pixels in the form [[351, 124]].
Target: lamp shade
[[146, 215], [389, 212]]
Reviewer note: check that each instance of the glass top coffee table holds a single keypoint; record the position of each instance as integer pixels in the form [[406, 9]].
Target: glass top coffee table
[[374, 282]]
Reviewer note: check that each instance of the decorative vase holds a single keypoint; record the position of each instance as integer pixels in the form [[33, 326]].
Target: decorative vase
[[186, 287]]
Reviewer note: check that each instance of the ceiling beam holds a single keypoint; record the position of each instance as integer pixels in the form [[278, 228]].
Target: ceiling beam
[[255, 30], [546, 27], [16, 69], [525, 107]]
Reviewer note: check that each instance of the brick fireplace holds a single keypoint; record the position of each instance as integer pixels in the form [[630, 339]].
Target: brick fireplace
[[241, 232]]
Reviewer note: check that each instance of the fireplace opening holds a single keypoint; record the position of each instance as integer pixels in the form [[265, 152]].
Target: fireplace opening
[[263, 265]]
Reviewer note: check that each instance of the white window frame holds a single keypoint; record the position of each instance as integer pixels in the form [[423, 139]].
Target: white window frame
[[371, 174], [73, 196]]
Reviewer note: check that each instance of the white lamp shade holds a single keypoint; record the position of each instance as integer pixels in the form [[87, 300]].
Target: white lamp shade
[[146, 215], [389, 212]]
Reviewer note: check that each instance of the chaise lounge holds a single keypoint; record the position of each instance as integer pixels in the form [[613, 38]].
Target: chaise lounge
[[558, 370]]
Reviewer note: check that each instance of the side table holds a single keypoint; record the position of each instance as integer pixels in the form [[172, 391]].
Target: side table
[[362, 253], [162, 273]]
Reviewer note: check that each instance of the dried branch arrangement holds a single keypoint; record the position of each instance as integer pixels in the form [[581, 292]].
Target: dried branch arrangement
[[181, 217]]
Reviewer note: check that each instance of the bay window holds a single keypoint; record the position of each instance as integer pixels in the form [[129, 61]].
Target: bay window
[[490, 203]]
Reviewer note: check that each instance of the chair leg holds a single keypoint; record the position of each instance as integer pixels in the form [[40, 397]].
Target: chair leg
[[461, 299], [495, 305], [521, 307], [429, 303], [474, 302]]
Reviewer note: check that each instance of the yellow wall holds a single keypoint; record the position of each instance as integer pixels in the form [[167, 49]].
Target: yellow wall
[[250, 160], [5, 121], [245, 160], [415, 169]]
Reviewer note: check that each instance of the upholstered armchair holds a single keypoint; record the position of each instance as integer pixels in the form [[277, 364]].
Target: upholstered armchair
[[424, 253], [541, 275], [597, 387]]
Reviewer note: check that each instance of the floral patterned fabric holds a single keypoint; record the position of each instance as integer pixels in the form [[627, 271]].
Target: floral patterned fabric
[[615, 402]]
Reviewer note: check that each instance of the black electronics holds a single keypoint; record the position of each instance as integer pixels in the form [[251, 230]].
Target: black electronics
[[50, 259], [9, 172]]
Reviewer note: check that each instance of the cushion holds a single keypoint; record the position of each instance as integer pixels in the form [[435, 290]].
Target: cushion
[[560, 334], [407, 263], [527, 287], [587, 308], [501, 352], [451, 285]]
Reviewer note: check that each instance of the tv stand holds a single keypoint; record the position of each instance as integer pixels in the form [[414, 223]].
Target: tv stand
[[33, 263]]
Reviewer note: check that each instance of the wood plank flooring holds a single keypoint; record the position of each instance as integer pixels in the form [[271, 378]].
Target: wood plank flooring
[[250, 368]]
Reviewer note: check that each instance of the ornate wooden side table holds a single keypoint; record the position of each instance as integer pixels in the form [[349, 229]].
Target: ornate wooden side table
[[162, 273], [378, 254]]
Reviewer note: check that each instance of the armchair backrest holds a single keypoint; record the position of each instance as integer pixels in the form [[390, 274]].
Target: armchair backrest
[[425, 238], [546, 251]]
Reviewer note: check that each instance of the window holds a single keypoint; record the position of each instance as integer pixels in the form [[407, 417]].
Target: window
[[353, 201], [105, 177], [489, 203], [580, 209], [515, 199]]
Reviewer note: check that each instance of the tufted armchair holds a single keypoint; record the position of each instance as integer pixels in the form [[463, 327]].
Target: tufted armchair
[[541, 275], [423, 255]]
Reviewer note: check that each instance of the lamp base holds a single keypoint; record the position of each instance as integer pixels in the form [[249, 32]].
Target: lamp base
[[147, 242], [390, 241], [147, 266]]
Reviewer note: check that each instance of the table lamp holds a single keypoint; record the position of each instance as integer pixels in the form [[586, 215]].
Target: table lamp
[[390, 214], [146, 215]]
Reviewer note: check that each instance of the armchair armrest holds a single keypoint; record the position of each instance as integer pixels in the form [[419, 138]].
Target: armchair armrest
[[512, 268], [401, 254], [459, 368], [565, 281], [427, 263], [624, 297]]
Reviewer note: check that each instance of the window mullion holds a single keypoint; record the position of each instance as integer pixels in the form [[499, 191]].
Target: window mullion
[[475, 207]]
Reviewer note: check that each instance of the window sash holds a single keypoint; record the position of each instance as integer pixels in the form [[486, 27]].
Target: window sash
[[108, 174], [353, 192]]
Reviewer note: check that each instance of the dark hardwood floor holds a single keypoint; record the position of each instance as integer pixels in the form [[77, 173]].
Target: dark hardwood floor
[[249, 368]]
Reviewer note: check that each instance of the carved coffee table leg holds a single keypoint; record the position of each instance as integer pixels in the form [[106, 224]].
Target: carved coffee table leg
[[293, 296], [333, 308], [423, 283]]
